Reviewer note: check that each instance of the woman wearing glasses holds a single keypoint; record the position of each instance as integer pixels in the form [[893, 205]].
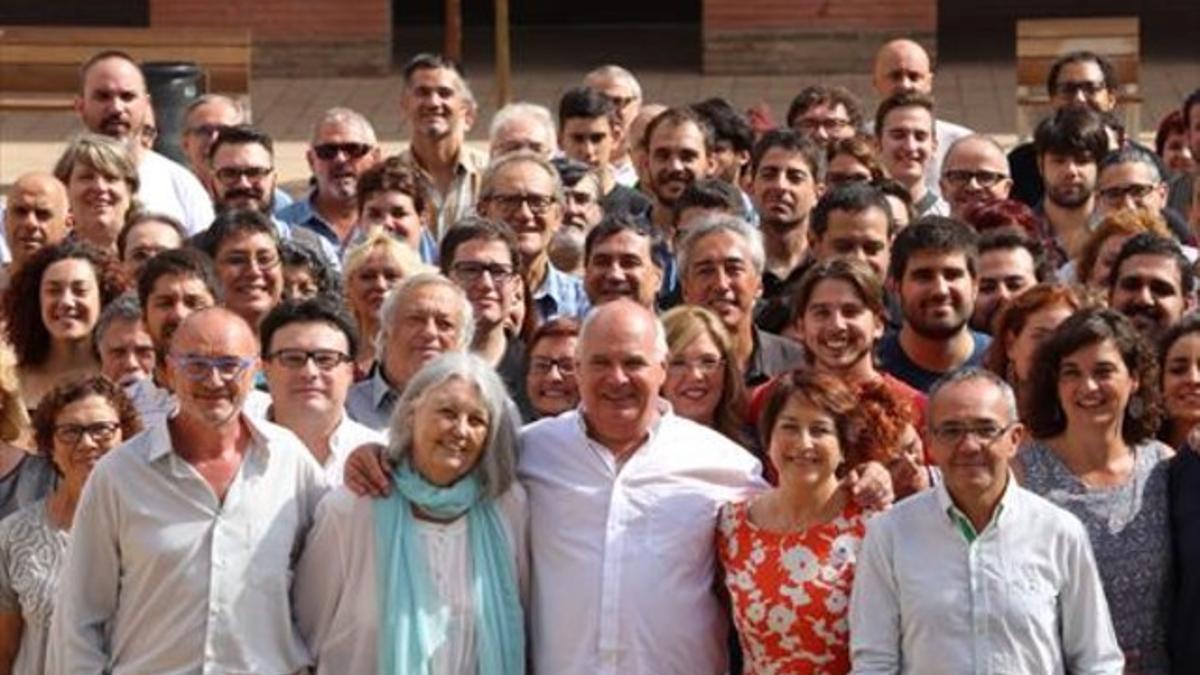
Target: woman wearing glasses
[[550, 382], [75, 425], [431, 578], [1093, 407], [789, 555], [244, 244], [704, 382], [101, 180], [51, 306]]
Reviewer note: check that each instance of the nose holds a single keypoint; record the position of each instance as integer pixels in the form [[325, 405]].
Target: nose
[[838, 320], [939, 285]]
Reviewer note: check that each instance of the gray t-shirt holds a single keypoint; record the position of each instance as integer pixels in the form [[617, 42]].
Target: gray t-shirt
[[30, 480], [1128, 528]]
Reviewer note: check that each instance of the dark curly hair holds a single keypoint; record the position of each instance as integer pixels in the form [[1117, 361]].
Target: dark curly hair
[[21, 305], [52, 403], [864, 431], [1042, 411]]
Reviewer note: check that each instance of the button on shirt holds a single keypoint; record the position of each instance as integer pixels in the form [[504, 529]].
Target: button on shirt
[[1022, 596], [623, 557], [459, 200], [163, 578]]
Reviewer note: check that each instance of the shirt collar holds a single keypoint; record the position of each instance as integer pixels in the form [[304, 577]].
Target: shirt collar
[[380, 389], [665, 412], [553, 285], [947, 506], [160, 445]]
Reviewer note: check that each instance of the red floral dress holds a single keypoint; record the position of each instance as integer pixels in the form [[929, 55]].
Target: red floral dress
[[791, 590]]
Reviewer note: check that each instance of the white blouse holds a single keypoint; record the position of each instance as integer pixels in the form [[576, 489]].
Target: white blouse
[[335, 584]]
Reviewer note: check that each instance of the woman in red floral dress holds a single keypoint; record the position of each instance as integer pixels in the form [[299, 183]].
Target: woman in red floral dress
[[789, 554]]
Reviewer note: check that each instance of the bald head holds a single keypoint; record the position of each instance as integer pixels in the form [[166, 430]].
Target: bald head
[[214, 331], [902, 65], [36, 215], [975, 169], [623, 316], [211, 367]]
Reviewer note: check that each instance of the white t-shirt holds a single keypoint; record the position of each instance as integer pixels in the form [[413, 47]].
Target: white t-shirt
[[171, 189]]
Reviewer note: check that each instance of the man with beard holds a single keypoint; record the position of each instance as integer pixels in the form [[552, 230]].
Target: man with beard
[[903, 66], [242, 162], [721, 265], [787, 178], [907, 143], [590, 133], [114, 102], [620, 262], [679, 147], [1069, 145], [439, 108], [1130, 178], [973, 171], [1152, 283], [1080, 79], [343, 147], [623, 89], [933, 270], [523, 191]]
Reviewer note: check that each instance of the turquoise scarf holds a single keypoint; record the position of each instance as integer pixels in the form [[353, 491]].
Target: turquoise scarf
[[412, 623]]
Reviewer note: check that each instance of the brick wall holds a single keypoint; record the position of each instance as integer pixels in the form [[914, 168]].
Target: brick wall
[[780, 36], [296, 37]]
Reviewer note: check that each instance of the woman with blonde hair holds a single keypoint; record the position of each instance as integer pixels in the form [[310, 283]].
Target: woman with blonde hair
[[102, 179], [24, 477], [370, 270], [704, 382]]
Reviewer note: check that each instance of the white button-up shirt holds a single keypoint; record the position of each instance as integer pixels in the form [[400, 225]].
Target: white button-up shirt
[[347, 436], [163, 578], [623, 557], [1023, 597]]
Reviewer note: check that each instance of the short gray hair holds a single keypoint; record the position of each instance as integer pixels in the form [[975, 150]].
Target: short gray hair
[[122, 308], [407, 286], [487, 184], [239, 106], [496, 468], [720, 222], [971, 374], [617, 73], [345, 117], [1130, 154], [524, 110], [972, 138]]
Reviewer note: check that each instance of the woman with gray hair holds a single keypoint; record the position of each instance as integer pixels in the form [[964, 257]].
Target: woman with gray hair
[[101, 178], [431, 578]]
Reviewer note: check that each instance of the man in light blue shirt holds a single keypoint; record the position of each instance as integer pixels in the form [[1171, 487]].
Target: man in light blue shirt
[[978, 575]]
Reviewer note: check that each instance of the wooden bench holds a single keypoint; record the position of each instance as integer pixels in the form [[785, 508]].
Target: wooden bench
[[39, 65], [1040, 42]]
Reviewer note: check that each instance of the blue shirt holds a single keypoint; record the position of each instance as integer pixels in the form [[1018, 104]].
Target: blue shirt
[[560, 295], [370, 402], [301, 213], [896, 363]]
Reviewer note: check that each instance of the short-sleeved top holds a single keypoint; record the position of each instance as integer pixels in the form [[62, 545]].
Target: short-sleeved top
[[31, 554], [1130, 535], [791, 590], [895, 362], [30, 480]]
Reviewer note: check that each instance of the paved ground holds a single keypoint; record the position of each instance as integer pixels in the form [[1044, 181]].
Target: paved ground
[[979, 95]]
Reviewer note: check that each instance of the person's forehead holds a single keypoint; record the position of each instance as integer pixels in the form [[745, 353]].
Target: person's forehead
[[1150, 266], [611, 85], [1077, 71], [1001, 262], [1127, 171], [246, 241], [625, 241], [522, 127], [824, 110], [216, 111], [115, 74], [124, 330], [968, 400], [182, 283], [903, 57], [152, 230], [69, 269], [34, 192], [483, 250], [835, 290], [435, 77], [309, 334], [683, 134], [869, 220], [524, 174], [231, 153], [554, 344], [909, 116], [85, 409], [431, 297], [214, 333], [720, 245], [585, 124], [936, 259], [623, 334], [389, 198], [977, 154], [341, 131], [783, 158]]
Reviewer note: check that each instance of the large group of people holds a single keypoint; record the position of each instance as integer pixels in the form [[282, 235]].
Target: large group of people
[[640, 389]]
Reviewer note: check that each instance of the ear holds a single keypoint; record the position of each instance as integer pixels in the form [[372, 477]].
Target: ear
[[311, 158], [710, 164], [819, 189], [77, 105]]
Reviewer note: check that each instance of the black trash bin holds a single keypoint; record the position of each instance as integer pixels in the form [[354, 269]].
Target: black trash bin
[[173, 85]]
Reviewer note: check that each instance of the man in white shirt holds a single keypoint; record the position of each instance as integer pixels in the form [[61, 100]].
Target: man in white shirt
[[185, 537], [978, 574], [623, 499], [114, 102], [309, 348], [903, 66]]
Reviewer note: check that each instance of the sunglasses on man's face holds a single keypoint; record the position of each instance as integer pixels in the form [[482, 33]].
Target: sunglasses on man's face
[[330, 151]]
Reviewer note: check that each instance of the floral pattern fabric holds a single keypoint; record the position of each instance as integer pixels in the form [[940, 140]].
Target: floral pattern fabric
[[791, 590]]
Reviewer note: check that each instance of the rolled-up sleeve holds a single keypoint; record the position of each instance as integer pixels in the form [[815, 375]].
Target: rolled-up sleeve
[[88, 584], [875, 606]]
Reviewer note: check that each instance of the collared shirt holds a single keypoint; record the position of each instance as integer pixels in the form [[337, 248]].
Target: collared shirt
[[459, 199], [1023, 597], [370, 401], [346, 436], [303, 214], [560, 294], [167, 187], [161, 577], [931, 204], [623, 556], [155, 404]]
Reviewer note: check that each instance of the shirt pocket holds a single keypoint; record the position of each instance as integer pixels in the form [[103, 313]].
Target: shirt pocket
[[682, 527]]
